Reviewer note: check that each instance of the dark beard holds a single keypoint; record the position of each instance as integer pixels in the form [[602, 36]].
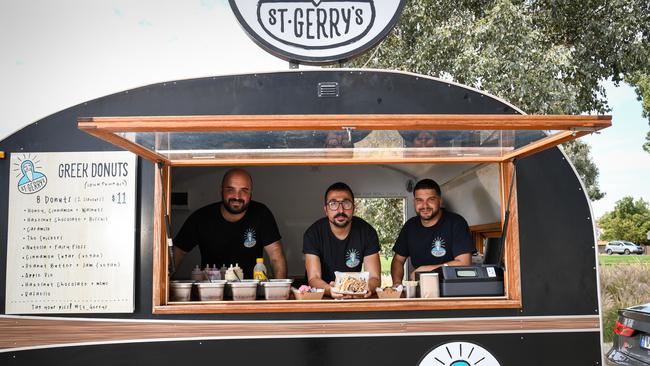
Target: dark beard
[[337, 224], [232, 210], [433, 214]]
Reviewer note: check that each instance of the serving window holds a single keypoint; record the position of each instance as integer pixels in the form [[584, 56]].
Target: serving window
[[364, 147]]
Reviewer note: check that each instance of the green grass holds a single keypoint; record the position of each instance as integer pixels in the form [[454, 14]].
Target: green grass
[[385, 264], [606, 260]]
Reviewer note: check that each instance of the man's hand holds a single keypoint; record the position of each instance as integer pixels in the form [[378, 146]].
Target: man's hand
[[423, 269], [397, 268], [412, 276], [337, 295]]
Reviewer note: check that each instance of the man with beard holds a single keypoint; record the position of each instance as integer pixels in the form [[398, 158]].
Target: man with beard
[[340, 242], [234, 230], [433, 238]]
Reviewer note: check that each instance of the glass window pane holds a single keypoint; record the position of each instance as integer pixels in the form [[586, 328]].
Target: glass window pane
[[334, 144]]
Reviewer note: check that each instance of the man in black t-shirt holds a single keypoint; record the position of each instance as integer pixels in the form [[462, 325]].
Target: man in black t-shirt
[[433, 238], [340, 242], [234, 230]]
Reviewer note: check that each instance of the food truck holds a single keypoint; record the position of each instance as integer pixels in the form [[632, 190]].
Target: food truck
[[92, 194]]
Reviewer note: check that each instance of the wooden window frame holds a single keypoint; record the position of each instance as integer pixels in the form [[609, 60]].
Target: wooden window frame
[[161, 305], [571, 127], [484, 231]]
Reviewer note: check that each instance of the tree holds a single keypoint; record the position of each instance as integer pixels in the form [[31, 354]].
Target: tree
[[578, 153], [630, 220], [641, 83], [544, 56], [386, 215]]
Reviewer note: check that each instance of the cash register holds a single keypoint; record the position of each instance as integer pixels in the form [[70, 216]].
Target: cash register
[[474, 280]]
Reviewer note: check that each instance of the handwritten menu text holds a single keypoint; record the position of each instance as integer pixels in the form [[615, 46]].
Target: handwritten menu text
[[71, 241]]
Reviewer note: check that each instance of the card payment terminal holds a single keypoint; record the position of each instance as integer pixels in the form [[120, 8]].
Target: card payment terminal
[[475, 280]]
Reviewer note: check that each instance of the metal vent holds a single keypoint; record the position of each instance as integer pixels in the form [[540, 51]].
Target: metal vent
[[329, 89]]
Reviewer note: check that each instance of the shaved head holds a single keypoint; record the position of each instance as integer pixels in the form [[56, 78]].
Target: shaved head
[[238, 172], [236, 191]]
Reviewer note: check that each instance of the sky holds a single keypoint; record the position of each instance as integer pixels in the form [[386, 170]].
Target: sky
[[56, 54]]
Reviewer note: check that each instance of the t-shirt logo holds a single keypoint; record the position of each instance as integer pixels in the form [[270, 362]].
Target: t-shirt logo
[[352, 258], [249, 238], [438, 247]]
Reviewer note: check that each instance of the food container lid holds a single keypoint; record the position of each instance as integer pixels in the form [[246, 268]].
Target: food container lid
[[279, 282], [243, 283], [182, 283], [215, 283]]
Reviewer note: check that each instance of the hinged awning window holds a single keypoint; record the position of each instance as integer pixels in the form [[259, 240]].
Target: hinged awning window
[[338, 139]]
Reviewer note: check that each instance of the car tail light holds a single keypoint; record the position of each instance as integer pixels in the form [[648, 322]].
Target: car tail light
[[623, 330]]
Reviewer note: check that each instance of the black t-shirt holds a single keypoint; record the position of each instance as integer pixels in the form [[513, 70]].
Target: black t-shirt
[[340, 255], [224, 242], [440, 243]]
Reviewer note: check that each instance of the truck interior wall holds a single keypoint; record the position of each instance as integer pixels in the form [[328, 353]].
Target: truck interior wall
[[475, 194]]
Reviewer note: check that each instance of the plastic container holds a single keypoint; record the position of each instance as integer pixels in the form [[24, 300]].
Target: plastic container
[[213, 273], [234, 273], [411, 289], [180, 290], [245, 290], [197, 274], [211, 291], [276, 289], [259, 271], [390, 292], [223, 271], [429, 286], [315, 294], [342, 277]]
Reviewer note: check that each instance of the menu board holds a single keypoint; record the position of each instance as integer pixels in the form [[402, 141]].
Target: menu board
[[71, 239]]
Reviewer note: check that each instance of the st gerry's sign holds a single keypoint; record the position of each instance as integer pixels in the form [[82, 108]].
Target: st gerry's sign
[[317, 31]]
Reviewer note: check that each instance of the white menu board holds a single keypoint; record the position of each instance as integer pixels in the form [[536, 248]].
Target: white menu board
[[71, 239]]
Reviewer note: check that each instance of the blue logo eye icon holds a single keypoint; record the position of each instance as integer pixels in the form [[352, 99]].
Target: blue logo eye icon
[[460, 363], [459, 354]]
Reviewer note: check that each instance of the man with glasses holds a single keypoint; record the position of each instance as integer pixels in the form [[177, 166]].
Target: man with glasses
[[433, 238], [340, 242], [233, 231]]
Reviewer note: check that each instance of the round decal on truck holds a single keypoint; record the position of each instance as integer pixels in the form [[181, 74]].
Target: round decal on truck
[[317, 31], [459, 354]]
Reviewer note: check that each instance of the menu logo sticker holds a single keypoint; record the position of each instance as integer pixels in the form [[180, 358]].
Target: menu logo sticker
[[317, 31], [31, 179], [459, 354]]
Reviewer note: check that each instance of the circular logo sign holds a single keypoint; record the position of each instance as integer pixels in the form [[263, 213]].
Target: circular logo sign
[[459, 354], [317, 31]]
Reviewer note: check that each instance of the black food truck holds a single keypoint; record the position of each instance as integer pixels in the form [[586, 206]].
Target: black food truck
[[84, 226]]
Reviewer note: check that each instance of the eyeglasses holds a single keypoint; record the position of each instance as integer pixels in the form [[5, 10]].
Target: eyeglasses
[[334, 205]]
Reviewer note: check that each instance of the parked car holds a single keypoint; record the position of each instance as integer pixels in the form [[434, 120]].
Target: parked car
[[623, 247], [632, 340]]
